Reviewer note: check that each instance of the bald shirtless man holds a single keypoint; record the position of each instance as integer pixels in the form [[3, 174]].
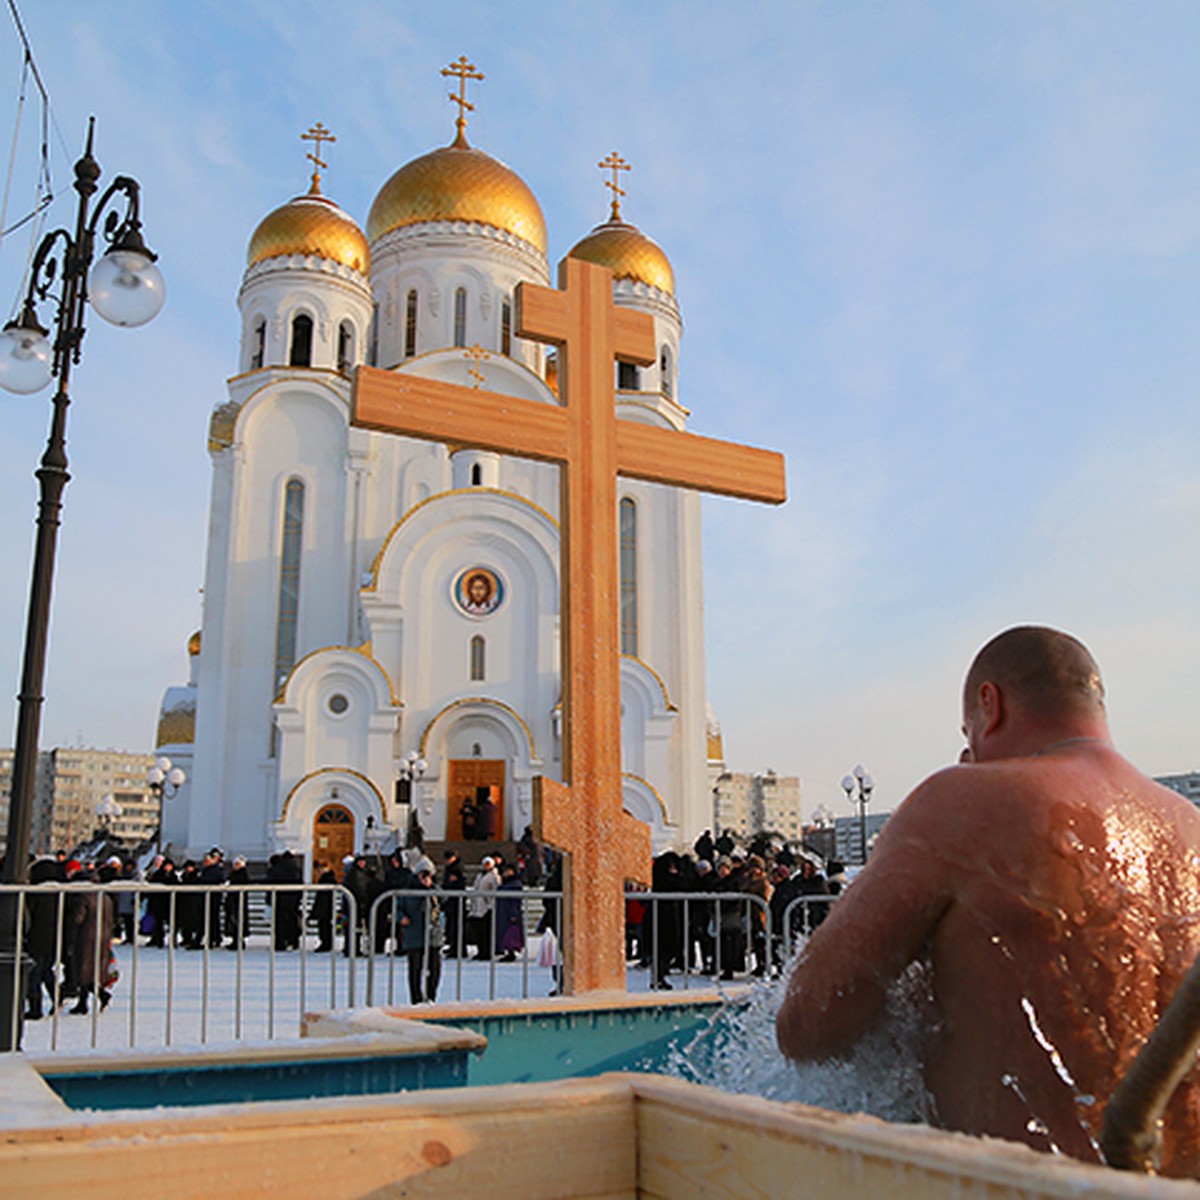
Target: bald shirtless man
[[1054, 891]]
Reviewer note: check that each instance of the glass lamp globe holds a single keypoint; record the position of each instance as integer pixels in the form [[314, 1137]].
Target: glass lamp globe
[[26, 357], [847, 783], [155, 776], [126, 288], [176, 777]]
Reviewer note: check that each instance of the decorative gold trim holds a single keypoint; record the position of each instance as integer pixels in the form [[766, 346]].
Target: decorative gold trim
[[416, 508], [487, 702], [657, 679], [653, 791], [364, 650], [332, 771]]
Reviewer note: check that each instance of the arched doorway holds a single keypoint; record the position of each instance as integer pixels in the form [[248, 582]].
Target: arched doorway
[[333, 835]]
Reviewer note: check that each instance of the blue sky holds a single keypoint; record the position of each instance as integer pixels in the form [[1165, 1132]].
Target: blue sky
[[946, 257]]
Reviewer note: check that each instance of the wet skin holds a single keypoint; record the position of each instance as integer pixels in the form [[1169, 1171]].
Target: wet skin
[[1057, 898]]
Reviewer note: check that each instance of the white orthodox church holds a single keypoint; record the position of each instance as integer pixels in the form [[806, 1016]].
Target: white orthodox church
[[370, 598]]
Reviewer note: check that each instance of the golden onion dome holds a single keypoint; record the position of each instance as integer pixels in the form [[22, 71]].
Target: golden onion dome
[[194, 644], [310, 225], [628, 253], [458, 183]]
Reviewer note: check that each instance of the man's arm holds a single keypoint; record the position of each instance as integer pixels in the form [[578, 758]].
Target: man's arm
[[876, 928]]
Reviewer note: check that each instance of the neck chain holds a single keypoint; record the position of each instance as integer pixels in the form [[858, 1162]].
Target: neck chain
[[1074, 741]]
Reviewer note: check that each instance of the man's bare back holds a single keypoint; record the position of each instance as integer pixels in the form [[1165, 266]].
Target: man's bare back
[[1055, 891]]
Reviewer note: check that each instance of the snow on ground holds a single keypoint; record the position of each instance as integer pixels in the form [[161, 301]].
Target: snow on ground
[[184, 997]]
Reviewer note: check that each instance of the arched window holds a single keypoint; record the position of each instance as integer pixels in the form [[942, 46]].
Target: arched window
[[460, 316], [664, 367], [506, 327], [476, 475], [478, 657], [628, 564], [410, 323], [258, 344], [627, 377], [289, 580], [302, 331], [345, 346], [373, 338]]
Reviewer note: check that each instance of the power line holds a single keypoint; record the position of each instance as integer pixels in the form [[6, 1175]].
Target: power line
[[49, 119]]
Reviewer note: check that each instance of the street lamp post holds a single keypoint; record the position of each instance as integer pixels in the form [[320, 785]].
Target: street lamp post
[[412, 767], [107, 811], [164, 780], [125, 288], [861, 782]]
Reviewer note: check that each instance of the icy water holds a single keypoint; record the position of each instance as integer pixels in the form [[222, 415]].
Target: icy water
[[737, 1053]]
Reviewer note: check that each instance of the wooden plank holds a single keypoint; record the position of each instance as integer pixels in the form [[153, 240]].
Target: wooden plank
[[633, 336], [408, 404], [696, 1144], [495, 1142], [707, 464]]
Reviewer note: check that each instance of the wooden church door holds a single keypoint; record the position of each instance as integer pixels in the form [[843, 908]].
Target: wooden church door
[[333, 836], [466, 776]]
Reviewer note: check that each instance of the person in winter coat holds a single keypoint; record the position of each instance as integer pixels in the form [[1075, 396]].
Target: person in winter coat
[[41, 939], [421, 935], [510, 927], [235, 904], [158, 904], [454, 879], [756, 883], [481, 907], [189, 907], [285, 868], [357, 883], [322, 908], [212, 874], [95, 915], [662, 926]]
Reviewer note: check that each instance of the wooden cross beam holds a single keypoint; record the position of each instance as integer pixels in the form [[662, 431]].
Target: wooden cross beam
[[583, 816]]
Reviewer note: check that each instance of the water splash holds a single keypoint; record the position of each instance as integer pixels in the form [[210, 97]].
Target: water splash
[[882, 1076]]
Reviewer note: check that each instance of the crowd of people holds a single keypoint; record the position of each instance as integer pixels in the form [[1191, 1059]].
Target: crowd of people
[[471, 911], [698, 916], [69, 936]]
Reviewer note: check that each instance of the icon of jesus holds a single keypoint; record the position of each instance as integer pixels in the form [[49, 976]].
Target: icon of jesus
[[478, 591]]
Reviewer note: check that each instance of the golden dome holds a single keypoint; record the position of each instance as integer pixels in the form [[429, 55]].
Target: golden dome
[[314, 226], [458, 183], [628, 253], [176, 726], [194, 644]]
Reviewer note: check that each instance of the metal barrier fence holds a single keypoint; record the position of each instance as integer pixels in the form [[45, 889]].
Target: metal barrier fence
[[318, 947], [67, 931]]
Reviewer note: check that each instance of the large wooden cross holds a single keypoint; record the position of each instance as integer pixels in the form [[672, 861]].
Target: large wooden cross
[[584, 815]]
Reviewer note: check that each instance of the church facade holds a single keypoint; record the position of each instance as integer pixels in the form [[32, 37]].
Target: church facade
[[371, 601]]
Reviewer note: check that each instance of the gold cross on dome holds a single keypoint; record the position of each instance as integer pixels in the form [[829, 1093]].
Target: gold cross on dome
[[318, 133], [616, 164], [464, 70], [480, 355]]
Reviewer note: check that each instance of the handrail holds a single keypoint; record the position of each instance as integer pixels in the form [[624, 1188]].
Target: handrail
[[1131, 1137]]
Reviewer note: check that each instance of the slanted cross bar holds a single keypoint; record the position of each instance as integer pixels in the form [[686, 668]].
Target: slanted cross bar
[[583, 816], [318, 134]]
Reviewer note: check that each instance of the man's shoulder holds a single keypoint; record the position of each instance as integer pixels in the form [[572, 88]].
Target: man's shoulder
[[952, 807], [954, 791]]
